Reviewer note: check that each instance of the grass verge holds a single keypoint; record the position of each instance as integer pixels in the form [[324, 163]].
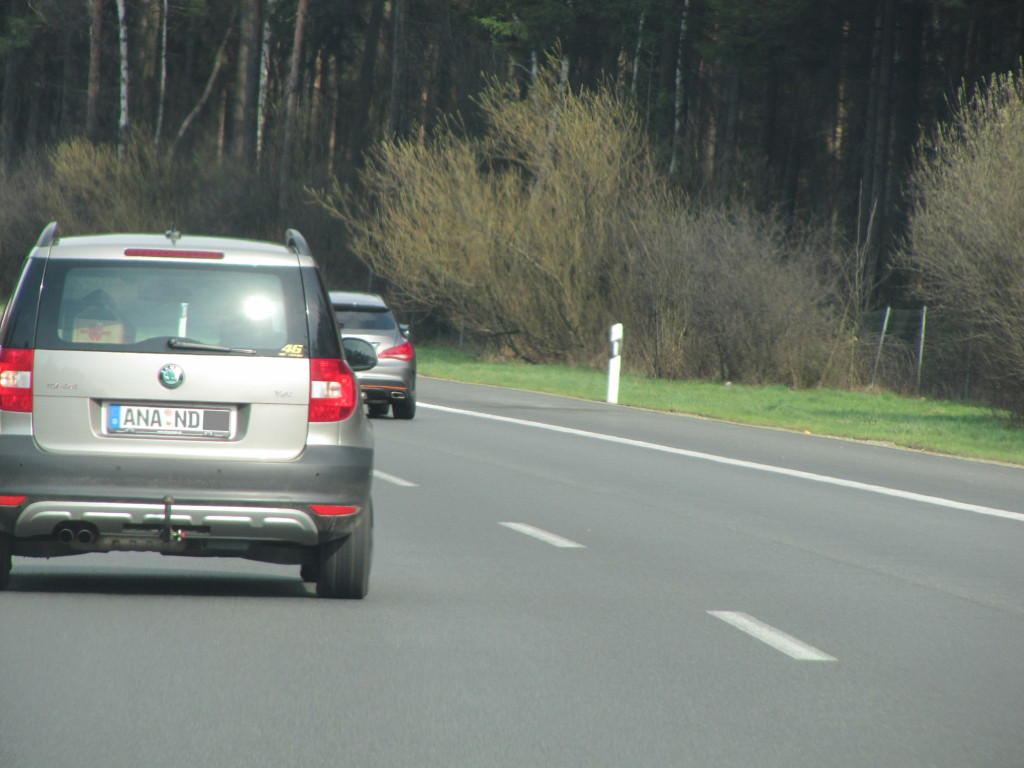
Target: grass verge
[[952, 428]]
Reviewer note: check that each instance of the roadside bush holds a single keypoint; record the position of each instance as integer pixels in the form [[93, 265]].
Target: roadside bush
[[515, 236], [148, 189], [720, 294], [87, 188], [553, 225], [965, 242], [22, 217]]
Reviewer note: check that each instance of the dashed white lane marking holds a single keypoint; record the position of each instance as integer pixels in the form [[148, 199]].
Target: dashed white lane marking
[[836, 481], [393, 479], [545, 536], [776, 638]]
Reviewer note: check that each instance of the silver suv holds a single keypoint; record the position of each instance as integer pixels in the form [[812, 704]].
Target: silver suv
[[183, 395], [391, 383]]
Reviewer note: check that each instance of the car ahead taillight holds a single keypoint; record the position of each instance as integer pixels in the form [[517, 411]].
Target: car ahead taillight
[[333, 509], [16, 380], [401, 352], [11, 501], [332, 390]]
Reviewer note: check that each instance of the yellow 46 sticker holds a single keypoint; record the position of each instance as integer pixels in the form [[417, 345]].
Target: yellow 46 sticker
[[291, 350]]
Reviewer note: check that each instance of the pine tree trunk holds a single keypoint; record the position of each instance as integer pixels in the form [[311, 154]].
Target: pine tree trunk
[[243, 118], [292, 98], [396, 107], [162, 97], [92, 115], [678, 102], [636, 54], [873, 185], [367, 73], [9, 108], [124, 119], [264, 81]]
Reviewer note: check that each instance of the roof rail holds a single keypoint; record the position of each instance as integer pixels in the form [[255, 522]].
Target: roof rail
[[49, 236], [294, 240]]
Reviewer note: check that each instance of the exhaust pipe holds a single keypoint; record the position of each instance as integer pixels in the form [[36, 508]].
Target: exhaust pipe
[[68, 534], [88, 539]]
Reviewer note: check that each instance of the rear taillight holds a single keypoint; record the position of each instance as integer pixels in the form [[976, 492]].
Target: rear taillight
[[16, 380], [11, 501], [333, 509], [333, 394], [401, 352]]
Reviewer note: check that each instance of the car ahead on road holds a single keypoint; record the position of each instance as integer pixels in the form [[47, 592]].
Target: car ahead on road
[[183, 395], [392, 382]]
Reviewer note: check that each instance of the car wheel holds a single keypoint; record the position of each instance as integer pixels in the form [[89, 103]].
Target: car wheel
[[5, 560], [310, 572], [378, 409], [404, 409], [345, 563]]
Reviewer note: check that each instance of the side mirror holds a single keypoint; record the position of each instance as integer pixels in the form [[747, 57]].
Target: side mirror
[[360, 355], [404, 330]]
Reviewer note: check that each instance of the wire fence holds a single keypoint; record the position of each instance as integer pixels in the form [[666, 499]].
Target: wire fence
[[912, 351]]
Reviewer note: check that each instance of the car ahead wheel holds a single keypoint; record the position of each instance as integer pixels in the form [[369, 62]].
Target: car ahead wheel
[[378, 409], [5, 560], [404, 409], [345, 563]]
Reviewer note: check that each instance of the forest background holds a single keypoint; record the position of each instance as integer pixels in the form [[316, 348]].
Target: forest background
[[761, 191]]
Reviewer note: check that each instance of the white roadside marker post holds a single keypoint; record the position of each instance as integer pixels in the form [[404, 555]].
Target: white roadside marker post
[[614, 362]]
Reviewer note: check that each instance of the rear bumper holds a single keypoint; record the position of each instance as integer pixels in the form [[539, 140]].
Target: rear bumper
[[385, 394], [241, 500], [379, 389]]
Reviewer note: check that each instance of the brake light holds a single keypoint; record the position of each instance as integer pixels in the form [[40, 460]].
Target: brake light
[[167, 253], [333, 509], [16, 380], [401, 352], [11, 501], [333, 394]]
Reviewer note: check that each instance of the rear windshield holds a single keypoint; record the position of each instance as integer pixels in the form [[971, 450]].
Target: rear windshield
[[138, 307], [366, 320]]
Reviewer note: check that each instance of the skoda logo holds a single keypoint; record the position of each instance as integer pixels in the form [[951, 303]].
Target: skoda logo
[[172, 376]]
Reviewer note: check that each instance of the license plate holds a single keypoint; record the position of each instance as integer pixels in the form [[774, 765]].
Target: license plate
[[172, 421]]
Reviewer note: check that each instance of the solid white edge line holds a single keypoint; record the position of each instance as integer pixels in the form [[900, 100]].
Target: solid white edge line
[[392, 479], [837, 481], [545, 536], [769, 635]]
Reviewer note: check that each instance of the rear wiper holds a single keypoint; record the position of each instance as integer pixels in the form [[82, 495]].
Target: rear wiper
[[176, 343]]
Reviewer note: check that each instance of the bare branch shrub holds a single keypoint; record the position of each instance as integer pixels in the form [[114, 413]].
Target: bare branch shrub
[[965, 244], [726, 295], [22, 216], [147, 190], [554, 224], [514, 236]]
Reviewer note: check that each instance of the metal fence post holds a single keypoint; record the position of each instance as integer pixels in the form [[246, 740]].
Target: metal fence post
[[920, 346], [881, 338]]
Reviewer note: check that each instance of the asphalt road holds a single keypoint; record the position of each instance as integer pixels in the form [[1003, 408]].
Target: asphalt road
[[560, 583]]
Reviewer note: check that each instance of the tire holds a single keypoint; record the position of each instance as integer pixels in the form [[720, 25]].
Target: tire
[[5, 560], [377, 410], [345, 563], [310, 572], [404, 409]]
